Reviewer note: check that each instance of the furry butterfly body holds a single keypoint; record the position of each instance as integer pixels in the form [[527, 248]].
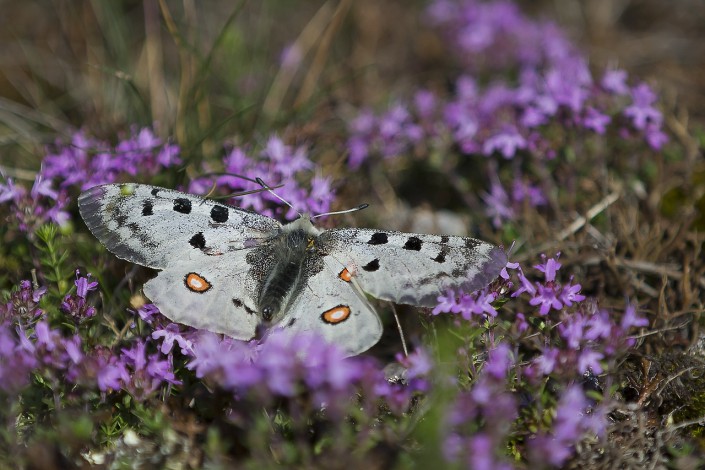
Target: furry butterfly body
[[228, 270]]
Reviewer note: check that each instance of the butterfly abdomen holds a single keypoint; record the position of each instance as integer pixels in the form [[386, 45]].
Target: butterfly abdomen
[[286, 276]]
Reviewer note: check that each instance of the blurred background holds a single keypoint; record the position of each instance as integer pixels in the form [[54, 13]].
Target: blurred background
[[203, 72]]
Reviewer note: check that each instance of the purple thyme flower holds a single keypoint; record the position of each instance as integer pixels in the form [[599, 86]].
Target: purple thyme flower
[[23, 304], [547, 299], [499, 361], [615, 81], [172, 334], [595, 120], [630, 319], [641, 111], [76, 304], [589, 359], [570, 424], [83, 285], [570, 293], [549, 267], [147, 312], [497, 204], [506, 143]]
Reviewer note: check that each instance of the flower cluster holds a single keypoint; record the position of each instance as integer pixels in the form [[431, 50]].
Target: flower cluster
[[275, 163], [480, 421], [549, 295], [31, 209], [585, 338], [28, 344], [545, 89], [576, 339], [574, 417], [282, 366], [87, 162], [75, 305], [23, 304]]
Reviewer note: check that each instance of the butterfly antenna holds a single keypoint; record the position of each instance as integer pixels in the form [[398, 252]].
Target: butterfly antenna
[[354, 209], [266, 187]]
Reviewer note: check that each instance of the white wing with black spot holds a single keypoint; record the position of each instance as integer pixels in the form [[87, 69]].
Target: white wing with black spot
[[412, 268], [155, 227]]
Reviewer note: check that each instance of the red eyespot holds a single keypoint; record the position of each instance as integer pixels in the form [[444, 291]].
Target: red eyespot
[[345, 275], [336, 315], [196, 283]]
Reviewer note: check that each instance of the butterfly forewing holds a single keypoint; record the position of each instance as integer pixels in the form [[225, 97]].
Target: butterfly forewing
[[413, 268], [154, 226]]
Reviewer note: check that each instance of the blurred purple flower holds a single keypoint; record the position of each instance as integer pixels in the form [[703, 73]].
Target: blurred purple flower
[[641, 112], [498, 205], [569, 426], [147, 312], [291, 56], [172, 334], [589, 359], [283, 365], [499, 361], [595, 120], [615, 81], [40, 205], [506, 143], [631, 320], [91, 162]]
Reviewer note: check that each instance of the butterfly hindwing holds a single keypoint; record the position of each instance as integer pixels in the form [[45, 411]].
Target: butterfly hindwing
[[413, 268], [334, 307], [154, 226], [208, 292]]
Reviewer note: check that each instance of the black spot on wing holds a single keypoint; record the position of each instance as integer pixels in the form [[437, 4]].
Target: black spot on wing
[[182, 205], [155, 191], [240, 304], [413, 244], [219, 214], [378, 238], [471, 243], [441, 258], [372, 265], [445, 238], [291, 322], [147, 207], [198, 241], [134, 228], [121, 219]]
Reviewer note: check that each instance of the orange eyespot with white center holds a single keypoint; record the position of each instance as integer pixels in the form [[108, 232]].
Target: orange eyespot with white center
[[196, 283], [346, 275], [336, 314]]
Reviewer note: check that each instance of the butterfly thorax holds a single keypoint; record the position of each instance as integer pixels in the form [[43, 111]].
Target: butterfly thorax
[[288, 274]]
